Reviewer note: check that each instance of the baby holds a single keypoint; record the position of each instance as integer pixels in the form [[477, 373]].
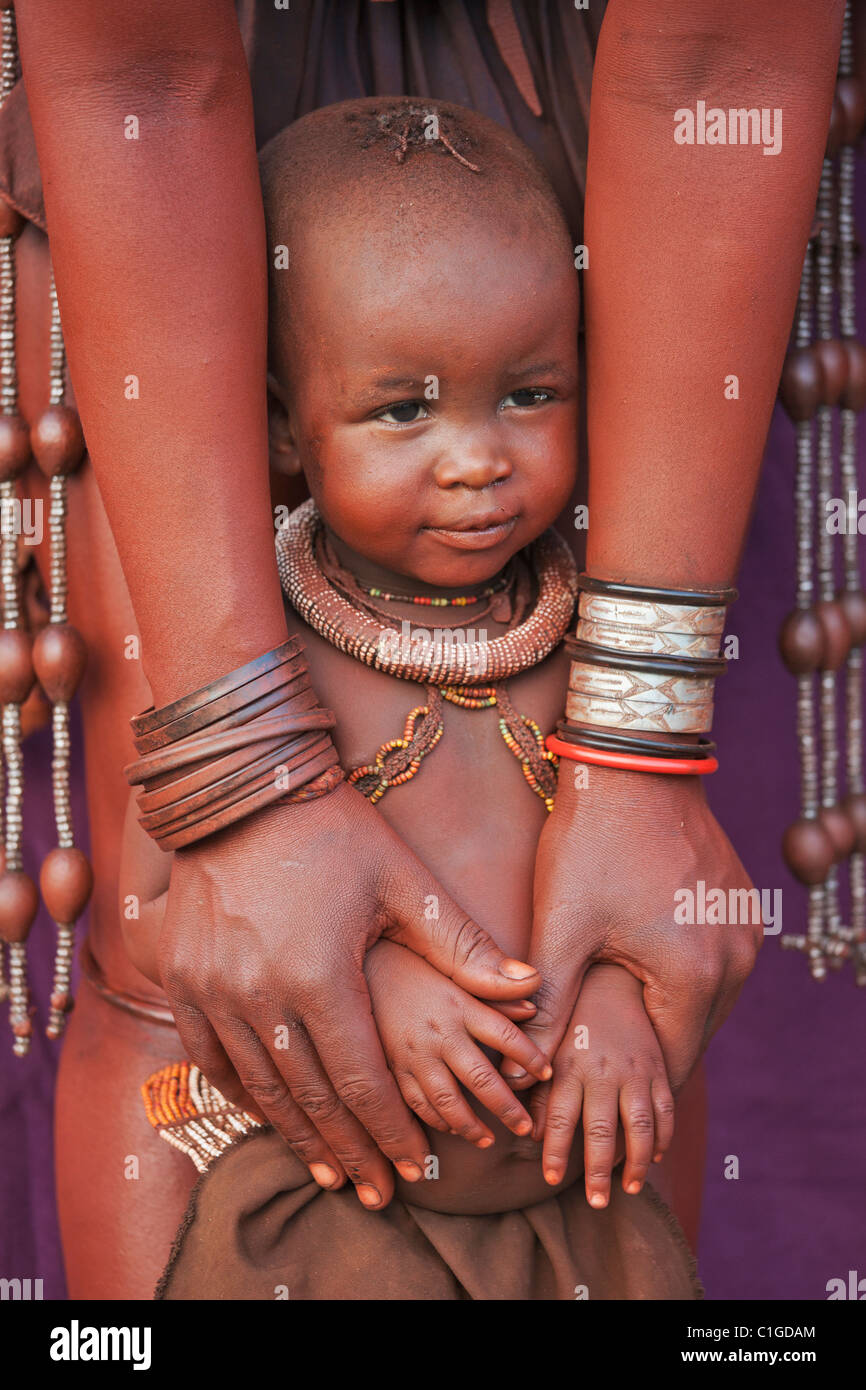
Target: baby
[[424, 379]]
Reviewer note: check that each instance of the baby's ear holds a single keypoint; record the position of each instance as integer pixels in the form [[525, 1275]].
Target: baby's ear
[[281, 439]]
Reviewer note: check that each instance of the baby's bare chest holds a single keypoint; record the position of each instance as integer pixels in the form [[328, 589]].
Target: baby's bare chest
[[468, 812]]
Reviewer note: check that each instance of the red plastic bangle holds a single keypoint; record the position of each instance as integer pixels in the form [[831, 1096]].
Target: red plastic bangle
[[630, 762]]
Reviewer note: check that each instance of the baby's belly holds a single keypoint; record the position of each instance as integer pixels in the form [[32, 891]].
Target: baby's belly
[[466, 1181]]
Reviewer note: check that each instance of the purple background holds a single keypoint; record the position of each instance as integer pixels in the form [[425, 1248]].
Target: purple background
[[785, 1073]]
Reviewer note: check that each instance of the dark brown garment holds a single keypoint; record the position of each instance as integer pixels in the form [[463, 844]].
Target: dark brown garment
[[258, 1227], [524, 63]]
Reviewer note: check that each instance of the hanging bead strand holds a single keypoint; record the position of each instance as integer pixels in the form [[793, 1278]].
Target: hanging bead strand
[[59, 656], [831, 617], [853, 598], [827, 629], [806, 849], [18, 897]]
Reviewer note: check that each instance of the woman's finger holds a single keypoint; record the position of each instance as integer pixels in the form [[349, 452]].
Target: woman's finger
[[349, 1051], [304, 1075], [262, 1081], [204, 1049]]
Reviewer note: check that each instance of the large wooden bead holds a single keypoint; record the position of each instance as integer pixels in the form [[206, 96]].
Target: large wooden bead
[[808, 850], [854, 607], [14, 447], [802, 386], [58, 440], [16, 666], [841, 829], [855, 806], [19, 902], [852, 99], [854, 395], [801, 642], [59, 656], [66, 882], [834, 365], [837, 634]]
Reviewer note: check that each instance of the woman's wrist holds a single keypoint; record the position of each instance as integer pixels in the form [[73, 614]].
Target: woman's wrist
[[581, 786]]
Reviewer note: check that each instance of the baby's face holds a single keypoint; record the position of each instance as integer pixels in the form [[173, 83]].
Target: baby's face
[[435, 405]]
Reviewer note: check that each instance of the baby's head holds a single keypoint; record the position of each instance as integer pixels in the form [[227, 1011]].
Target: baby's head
[[423, 336]]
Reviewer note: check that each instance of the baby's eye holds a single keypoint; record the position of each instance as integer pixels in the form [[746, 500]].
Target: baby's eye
[[528, 396], [403, 413]]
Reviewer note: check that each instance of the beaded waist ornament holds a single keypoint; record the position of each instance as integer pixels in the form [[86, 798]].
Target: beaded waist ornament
[[472, 674]]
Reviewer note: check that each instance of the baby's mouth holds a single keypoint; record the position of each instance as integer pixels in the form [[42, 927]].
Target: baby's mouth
[[477, 533]]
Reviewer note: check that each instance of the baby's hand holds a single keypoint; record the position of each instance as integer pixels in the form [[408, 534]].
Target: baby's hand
[[610, 1066], [430, 1029]]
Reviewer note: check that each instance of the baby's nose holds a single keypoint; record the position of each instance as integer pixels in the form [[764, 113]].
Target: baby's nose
[[475, 466]]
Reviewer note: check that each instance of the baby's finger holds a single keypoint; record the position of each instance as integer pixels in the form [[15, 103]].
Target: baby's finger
[[665, 1111], [518, 1012], [417, 1101], [638, 1122], [490, 1028], [443, 1093], [539, 1098], [600, 1123], [563, 1112], [479, 1075]]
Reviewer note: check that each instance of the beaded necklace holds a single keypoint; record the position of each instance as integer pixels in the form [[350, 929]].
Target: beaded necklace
[[469, 674]]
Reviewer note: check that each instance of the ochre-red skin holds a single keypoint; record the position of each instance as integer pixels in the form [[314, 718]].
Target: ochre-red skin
[[671, 491]]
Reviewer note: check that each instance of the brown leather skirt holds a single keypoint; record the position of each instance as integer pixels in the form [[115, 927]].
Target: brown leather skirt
[[258, 1227]]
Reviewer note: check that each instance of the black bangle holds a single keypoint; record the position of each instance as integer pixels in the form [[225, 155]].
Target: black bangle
[[708, 667], [699, 598], [592, 736]]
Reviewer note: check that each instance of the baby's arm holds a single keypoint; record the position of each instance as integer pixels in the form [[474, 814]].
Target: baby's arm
[[608, 1070], [431, 1031]]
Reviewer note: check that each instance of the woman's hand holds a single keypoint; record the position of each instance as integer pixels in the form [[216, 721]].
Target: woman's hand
[[612, 856], [261, 953]]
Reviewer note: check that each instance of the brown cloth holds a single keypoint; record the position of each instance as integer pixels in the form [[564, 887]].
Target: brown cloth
[[258, 1227], [524, 63]]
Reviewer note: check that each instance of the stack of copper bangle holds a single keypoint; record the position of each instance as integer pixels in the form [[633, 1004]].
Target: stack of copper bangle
[[644, 660], [251, 738]]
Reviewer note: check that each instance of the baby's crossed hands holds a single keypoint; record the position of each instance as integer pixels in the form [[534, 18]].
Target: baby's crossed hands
[[431, 1029]]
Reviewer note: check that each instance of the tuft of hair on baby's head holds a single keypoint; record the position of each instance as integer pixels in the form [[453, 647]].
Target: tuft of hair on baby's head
[[398, 169]]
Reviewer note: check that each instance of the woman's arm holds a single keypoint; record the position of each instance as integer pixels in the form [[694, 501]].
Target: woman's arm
[[695, 253], [157, 243], [143, 122]]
